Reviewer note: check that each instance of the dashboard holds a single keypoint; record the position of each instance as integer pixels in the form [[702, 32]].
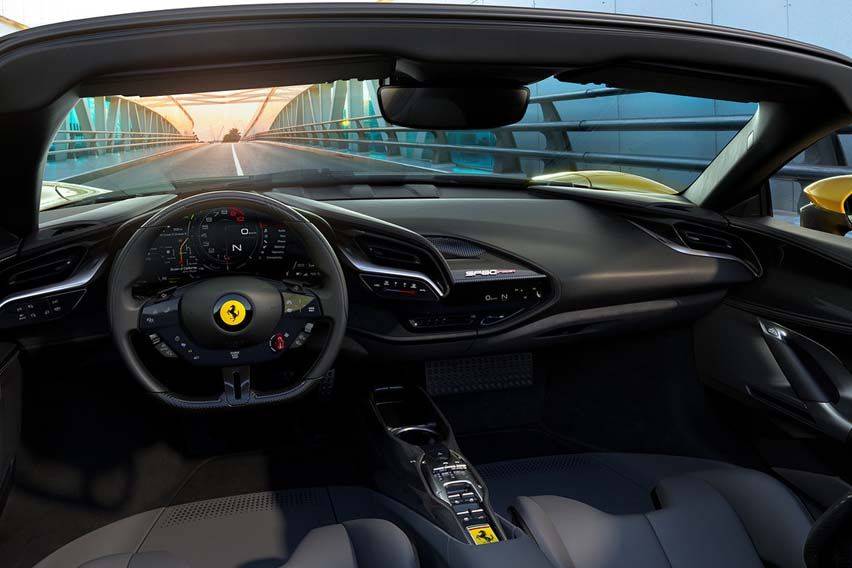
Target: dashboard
[[471, 271], [228, 240]]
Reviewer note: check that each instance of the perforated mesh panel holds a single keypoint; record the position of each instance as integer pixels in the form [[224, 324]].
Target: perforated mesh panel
[[238, 504], [456, 248], [473, 374], [547, 464]]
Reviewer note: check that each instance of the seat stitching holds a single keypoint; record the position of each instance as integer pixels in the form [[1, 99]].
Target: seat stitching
[[167, 505], [331, 504], [659, 540], [351, 544], [546, 519]]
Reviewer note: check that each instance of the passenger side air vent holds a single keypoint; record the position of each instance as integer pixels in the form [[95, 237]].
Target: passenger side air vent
[[698, 237], [453, 249], [44, 270], [700, 240], [389, 252]]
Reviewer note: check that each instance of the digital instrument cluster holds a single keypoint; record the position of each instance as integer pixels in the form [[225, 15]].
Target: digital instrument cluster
[[226, 240]]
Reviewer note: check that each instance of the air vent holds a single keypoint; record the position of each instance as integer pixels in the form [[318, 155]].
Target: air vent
[[389, 252], [453, 249], [702, 238], [661, 229], [46, 269], [687, 237]]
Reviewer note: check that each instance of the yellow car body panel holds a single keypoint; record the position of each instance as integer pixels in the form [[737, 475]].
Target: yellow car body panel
[[607, 180], [58, 193], [830, 193]]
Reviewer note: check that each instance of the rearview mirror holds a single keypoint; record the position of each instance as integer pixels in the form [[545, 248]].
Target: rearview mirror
[[830, 208], [453, 108]]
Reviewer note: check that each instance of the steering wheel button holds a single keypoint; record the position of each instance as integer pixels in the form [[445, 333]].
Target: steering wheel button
[[300, 340], [165, 350], [300, 305], [159, 314], [277, 342]]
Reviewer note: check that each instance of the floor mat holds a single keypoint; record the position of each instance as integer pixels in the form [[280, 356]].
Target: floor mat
[[614, 483]]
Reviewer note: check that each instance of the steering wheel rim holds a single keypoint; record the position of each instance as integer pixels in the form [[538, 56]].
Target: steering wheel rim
[[124, 309]]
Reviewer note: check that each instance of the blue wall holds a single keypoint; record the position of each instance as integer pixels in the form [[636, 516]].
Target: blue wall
[[827, 23]]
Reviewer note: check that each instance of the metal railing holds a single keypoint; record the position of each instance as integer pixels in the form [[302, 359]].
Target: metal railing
[[351, 135], [75, 142]]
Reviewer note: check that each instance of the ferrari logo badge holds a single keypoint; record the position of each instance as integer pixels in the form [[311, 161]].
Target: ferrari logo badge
[[232, 312], [482, 534]]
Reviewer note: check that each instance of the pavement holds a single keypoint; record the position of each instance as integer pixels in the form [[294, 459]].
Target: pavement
[[234, 159]]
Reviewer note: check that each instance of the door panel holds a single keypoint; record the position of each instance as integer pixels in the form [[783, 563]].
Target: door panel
[[777, 367], [782, 344], [10, 415]]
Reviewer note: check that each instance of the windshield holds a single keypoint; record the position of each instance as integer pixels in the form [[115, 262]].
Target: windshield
[[583, 135]]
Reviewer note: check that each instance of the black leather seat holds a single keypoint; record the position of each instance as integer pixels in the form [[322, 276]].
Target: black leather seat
[[726, 516]]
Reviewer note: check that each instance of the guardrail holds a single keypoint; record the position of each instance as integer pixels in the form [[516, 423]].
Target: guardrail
[[353, 135], [99, 141]]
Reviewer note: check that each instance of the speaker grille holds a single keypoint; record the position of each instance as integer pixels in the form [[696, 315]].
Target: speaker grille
[[239, 504], [452, 248]]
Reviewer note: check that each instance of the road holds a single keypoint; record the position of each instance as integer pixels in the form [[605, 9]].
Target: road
[[244, 158]]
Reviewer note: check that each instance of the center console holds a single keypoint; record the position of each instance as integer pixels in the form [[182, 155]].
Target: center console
[[425, 468], [454, 481]]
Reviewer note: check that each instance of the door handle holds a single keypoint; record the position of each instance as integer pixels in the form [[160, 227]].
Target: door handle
[[816, 375], [806, 364]]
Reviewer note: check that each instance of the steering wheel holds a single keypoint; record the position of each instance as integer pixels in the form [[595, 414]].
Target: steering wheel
[[230, 322]]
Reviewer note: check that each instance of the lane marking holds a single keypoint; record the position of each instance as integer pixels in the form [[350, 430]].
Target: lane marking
[[236, 160], [353, 157]]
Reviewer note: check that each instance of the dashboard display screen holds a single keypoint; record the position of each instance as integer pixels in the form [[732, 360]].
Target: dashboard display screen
[[226, 240]]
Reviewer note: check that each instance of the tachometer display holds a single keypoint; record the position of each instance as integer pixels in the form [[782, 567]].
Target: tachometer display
[[225, 238]]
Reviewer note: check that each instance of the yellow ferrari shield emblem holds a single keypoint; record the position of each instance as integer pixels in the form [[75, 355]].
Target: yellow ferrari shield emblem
[[482, 534], [232, 312]]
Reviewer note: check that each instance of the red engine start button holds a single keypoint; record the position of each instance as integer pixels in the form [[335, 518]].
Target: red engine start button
[[277, 343]]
